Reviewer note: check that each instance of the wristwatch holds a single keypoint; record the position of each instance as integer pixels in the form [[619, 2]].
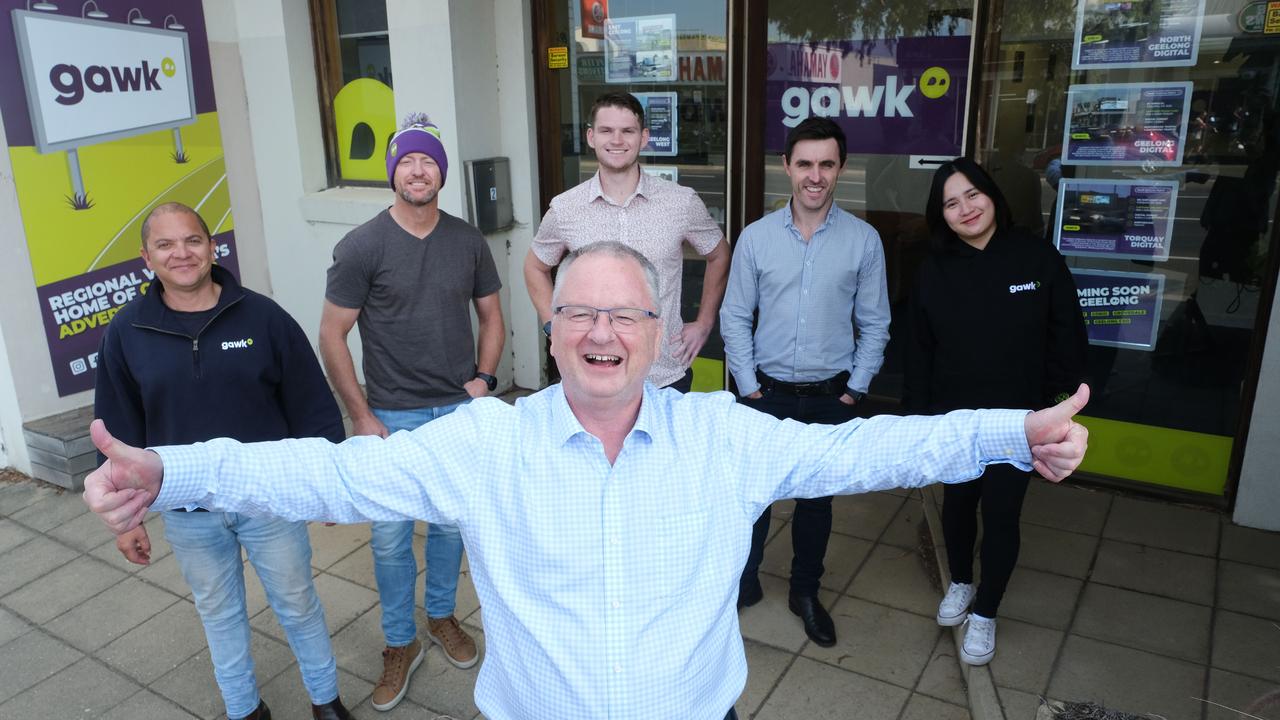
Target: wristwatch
[[855, 394], [490, 381]]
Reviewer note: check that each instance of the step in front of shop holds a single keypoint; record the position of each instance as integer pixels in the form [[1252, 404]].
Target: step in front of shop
[[60, 449]]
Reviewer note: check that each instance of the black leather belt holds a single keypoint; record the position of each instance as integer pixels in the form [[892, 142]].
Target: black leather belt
[[830, 386]]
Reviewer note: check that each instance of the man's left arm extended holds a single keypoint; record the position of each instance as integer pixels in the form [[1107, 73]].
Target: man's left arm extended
[[870, 317], [777, 459]]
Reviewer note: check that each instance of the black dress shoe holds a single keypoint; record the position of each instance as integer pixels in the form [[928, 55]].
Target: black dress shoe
[[817, 622], [749, 592], [261, 713], [332, 710]]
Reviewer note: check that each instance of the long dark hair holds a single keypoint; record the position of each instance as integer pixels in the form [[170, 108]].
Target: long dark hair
[[942, 235]]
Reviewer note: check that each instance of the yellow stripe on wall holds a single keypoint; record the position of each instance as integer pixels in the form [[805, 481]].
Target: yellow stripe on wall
[[1160, 456]]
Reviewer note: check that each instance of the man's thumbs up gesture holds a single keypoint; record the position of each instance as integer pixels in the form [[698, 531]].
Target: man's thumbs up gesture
[[1056, 440], [122, 489]]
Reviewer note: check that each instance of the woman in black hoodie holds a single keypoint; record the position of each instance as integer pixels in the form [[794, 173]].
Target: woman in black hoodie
[[994, 323]]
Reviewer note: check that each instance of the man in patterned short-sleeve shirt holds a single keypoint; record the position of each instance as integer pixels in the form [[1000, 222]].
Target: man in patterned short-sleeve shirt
[[648, 214]]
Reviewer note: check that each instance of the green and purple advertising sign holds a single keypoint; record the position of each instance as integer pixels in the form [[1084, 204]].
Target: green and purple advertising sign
[[107, 113], [905, 97], [1120, 309], [1116, 218]]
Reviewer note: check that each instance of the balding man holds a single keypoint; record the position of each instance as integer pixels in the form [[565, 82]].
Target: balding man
[[199, 357], [608, 520]]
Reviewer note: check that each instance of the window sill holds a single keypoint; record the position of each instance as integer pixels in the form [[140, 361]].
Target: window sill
[[345, 205]]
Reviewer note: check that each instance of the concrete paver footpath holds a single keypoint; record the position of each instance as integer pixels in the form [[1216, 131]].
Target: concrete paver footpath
[[1139, 605]]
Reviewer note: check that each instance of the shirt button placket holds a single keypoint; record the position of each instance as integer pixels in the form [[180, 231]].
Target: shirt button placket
[[614, 587]]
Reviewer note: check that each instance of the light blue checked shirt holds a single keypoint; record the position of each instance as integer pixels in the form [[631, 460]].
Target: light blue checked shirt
[[608, 591], [811, 295]]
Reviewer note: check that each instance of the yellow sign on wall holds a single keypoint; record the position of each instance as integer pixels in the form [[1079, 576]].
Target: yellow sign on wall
[[1160, 456], [558, 57], [1272, 24]]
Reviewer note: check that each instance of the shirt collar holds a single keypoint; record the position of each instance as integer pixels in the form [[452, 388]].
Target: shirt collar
[[565, 424], [788, 220], [644, 188]]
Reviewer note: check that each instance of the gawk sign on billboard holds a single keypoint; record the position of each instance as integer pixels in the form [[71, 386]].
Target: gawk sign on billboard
[[905, 97], [89, 81]]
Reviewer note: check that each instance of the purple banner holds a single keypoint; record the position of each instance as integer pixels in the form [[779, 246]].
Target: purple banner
[[1120, 309], [1116, 219], [1131, 124], [76, 311], [903, 97]]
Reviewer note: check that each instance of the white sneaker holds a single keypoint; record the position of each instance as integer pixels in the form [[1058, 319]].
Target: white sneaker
[[955, 605], [979, 640]]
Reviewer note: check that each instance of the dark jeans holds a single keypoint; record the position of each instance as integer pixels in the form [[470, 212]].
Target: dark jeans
[[811, 524], [1000, 491], [733, 715]]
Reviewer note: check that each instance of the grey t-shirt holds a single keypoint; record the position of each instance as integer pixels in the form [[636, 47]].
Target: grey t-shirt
[[414, 299]]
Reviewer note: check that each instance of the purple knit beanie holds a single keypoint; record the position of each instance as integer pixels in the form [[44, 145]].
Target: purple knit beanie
[[417, 134]]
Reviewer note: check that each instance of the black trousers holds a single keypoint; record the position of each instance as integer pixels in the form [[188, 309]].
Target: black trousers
[[811, 525], [999, 491], [685, 383]]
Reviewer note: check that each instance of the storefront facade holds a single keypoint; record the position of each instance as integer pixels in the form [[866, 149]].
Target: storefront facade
[[1142, 138]]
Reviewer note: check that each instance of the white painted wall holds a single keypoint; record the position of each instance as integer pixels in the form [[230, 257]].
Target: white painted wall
[[445, 60], [1258, 497], [27, 388], [13, 450]]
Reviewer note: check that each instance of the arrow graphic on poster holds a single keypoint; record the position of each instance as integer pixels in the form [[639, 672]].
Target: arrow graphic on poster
[[927, 162]]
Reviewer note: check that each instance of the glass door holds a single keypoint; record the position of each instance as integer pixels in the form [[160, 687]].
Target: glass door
[[673, 56], [1143, 138]]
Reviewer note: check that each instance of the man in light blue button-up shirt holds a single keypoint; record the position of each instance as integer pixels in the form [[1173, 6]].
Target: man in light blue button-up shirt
[[815, 276], [606, 520]]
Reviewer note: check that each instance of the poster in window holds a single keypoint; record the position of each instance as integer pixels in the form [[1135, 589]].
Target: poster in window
[[662, 120], [1126, 124], [1137, 33], [1120, 309], [640, 49], [891, 97], [1115, 218], [594, 13]]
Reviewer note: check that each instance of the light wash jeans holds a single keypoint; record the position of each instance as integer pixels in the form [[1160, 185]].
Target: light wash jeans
[[207, 547], [394, 566]]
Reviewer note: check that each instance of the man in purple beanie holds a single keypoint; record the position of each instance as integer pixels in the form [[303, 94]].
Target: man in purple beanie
[[406, 278]]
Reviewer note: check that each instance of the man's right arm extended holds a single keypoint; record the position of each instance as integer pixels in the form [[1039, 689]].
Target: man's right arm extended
[[427, 474]]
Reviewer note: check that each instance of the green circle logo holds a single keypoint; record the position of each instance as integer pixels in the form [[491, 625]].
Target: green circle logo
[[391, 151], [168, 67], [249, 341], [935, 82]]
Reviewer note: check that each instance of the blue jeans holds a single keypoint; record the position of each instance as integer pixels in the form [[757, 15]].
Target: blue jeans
[[207, 547], [394, 566]]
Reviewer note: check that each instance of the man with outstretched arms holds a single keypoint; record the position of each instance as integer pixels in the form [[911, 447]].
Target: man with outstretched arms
[[608, 520]]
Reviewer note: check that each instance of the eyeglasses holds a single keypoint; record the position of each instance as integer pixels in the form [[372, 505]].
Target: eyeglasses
[[622, 319]]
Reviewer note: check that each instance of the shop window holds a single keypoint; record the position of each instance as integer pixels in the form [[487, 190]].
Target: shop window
[[357, 108]]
